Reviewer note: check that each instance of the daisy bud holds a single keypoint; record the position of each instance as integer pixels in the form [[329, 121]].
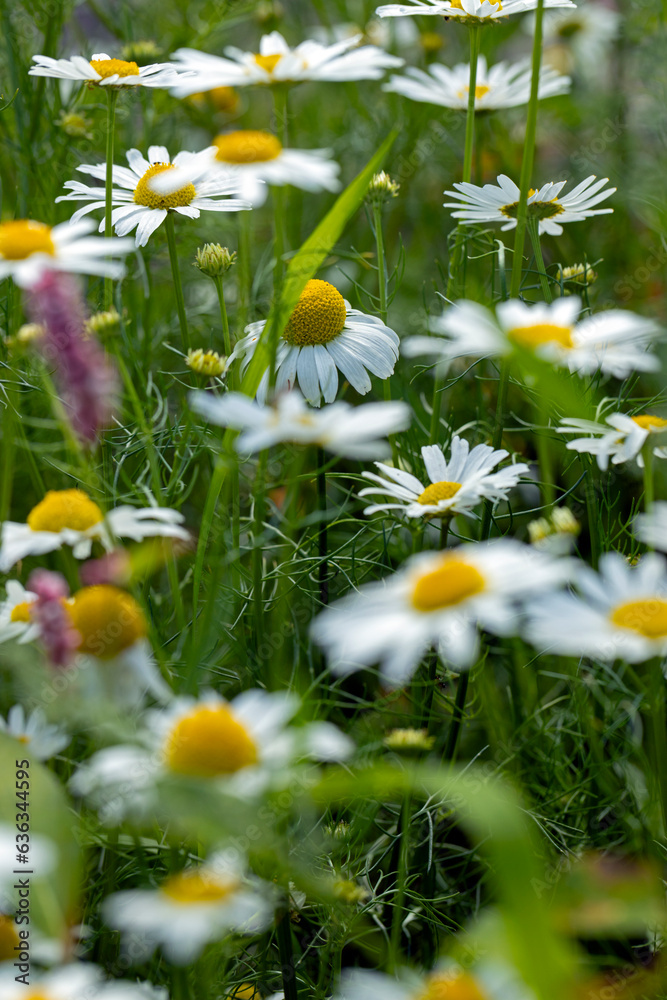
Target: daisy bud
[[214, 260], [431, 42], [409, 740], [208, 363], [268, 11], [26, 336], [74, 125], [349, 892], [102, 323], [49, 613], [578, 274], [382, 189], [143, 52]]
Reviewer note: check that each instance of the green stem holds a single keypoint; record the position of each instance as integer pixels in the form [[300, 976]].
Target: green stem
[[226, 338], [176, 274], [323, 573], [257, 551], [457, 717], [592, 512], [436, 406], [399, 901], [528, 154], [501, 403], [534, 230], [383, 293], [655, 726], [244, 273], [112, 97], [649, 489], [286, 949]]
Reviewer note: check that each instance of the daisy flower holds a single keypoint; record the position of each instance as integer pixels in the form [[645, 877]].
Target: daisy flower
[[351, 431], [192, 908], [15, 621], [323, 336], [503, 86], [583, 36], [143, 195], [104, 71], [499, 203], [240, 746], [622, 443], [489, 980], [70, 517], [456, 486], [39, 738], [437, 599], [619, 613], [467, 10], [276, 62], [29, 248], [614, 342], [76, 981], [250, 160]]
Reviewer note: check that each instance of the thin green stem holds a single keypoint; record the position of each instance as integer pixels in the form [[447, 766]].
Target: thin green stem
[[257, 552], [501, 403], [176, 274], [655, 727], [323, 572], [534, 230], [286, 949], [226, 338], [528, 154], [399, 900], [649, 487], [244, 271], [383, 294], [592, 512], [112, 97], [457, 717]]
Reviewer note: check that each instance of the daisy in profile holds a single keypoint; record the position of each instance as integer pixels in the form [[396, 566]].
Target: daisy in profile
[[489, 980], [323, 336], [456, 486], [241, 746], [198, 905], [15, 621], [499, 203], [70, 517], [104, 71], [277, 63], [352, 431], [251, 160], [436, 600], [76, 981], [614, 342], [651, 527], [621, 438], [148, 189], [466, 10], [38, 738], [503, 86], [619, 613], [29, 248]]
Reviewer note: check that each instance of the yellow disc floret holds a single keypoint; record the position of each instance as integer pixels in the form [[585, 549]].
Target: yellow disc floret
[[452, 582], [650, 423], [64, 509], [459, 6], [480, 91], [208, 741], [23, 237], [541, 333], [649, 617], [193, 887], [268, 63], [319, 315], [247, 146], [21, 612], [454, 987], [108, 619], [144, 194], [438, 491], [114, 67]]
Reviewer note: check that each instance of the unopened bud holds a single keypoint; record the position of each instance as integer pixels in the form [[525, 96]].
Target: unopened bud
[[578, 274], [143, 52], [214, 260], [409, 740], [103, 323], [208, 363], [382, 189]]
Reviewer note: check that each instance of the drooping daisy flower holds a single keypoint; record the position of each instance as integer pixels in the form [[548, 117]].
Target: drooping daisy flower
[[499, 203], [29, 248], [323, 336], [192, 908], [143, 202], [651, 527], [614, 342], [456, 487], [468, 10], [251, 160], [77, 981], [580, 38], [503, 86], [622, 443], [489, 980], [104, 71], [70, 517], [242, 745], [620, 612], [437, 599], [352, 431], [15, 621], [39, 738], [277, 63]]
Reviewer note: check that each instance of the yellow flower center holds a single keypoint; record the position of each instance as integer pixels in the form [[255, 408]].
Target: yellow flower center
[[268, 63], [461, 987], [438, 491], [108, 620], [319, 315], [480, 91], [650, 423], [23, 237], [192, 887], [247, 146], [144, 195], [537, 210], [246, 991], [114, 67], [459, 6], [64, 509], [649, 618], [451, 583], [541, 333], [208, 741], [21, 612], [8, 939]]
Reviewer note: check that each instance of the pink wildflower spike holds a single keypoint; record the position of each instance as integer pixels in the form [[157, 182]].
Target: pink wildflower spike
[[49, 613]]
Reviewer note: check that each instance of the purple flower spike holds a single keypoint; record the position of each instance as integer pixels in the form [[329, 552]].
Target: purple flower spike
[[58, 636]]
